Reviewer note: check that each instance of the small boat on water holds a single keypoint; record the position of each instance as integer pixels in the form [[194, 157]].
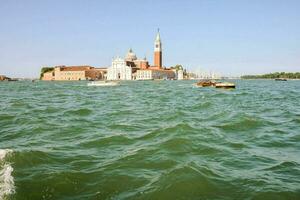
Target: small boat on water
[[205, 83], [280, 79], [209, 83], [225, 85], [104, 83]]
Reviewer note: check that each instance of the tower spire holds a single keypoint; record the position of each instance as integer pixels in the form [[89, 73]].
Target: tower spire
[[157, 36], [157, 51]]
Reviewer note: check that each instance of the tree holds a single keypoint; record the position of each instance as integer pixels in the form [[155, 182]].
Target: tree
[[274, 75], [177, 67], [44, 70]]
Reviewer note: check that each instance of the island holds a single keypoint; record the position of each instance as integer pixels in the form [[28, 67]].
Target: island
[[276, 75]]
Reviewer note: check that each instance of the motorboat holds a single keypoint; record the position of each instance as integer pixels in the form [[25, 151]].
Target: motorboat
[[225, 85], [280, 79], [216, 84], [104, 83], [205, 83]]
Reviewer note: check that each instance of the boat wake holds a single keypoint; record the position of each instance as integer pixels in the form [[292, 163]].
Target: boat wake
[[6, 179]]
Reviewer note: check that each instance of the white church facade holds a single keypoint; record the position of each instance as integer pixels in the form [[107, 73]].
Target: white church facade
[[179, 74], [119, 70]]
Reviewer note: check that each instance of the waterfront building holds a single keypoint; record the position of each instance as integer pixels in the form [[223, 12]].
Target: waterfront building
[[74, 73], [180, 74], [141, 63], [119, 70], [135, 63], [125, 69], [48, 76], [151, 74]]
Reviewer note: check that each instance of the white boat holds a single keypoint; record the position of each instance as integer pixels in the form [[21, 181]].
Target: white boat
[[103, 83], [225, 85]]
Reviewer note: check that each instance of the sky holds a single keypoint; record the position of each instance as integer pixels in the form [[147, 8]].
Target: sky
[[231, 37]]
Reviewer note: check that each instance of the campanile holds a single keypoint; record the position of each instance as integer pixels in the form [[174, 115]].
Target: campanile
[[157, 51]]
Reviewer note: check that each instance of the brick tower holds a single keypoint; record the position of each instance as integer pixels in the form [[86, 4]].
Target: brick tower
[[157, 52]]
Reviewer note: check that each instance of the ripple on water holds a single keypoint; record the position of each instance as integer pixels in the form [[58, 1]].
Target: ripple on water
[[151, 140], [79, 112], [171, 131], [241, 123], [5, 118], [182, 181], [107, 141], [284, 165]]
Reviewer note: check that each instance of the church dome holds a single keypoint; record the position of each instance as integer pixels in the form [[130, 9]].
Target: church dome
[[130, 56]]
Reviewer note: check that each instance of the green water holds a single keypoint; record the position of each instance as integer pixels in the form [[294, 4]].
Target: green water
[[150, 140]]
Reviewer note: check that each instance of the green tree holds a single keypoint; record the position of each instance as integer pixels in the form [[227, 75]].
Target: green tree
[[44, 70], [290, 75], [177, 67]]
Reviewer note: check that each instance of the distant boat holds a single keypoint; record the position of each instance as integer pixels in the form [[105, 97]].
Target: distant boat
[[212, 83], [104, 83], [205, 83], [280, 79], [225, 85]]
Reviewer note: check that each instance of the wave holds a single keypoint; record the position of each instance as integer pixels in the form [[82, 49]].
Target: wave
[[171, 130], [203, 105], [242, 124], [4, 153], [110, 140], [284, 165], [7, 186], [79, 112], [6, 117]]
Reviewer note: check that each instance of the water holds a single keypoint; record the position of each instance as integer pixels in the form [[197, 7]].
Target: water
[[150, 140]]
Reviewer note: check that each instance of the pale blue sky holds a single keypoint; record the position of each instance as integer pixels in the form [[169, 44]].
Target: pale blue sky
[[232, 37]]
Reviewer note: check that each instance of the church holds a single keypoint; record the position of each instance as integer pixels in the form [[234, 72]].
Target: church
[[132, 68], [128, 68]]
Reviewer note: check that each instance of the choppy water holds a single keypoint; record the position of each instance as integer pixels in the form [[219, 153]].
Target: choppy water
[[149, 140]]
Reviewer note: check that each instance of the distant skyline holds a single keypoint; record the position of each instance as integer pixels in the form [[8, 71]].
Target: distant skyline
[[232, 37]]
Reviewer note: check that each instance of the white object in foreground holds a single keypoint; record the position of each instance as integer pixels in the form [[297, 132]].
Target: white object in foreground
[[104, 83], [225, 85]]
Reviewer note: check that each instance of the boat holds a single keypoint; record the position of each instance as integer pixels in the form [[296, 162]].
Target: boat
[[104, 83], [280, 79], [225, 85], [205, 83]]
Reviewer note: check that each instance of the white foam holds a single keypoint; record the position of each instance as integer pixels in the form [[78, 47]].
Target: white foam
[[4, 152], [7, 186]]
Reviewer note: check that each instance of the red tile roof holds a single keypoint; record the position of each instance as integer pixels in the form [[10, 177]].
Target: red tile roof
[[75, 68]]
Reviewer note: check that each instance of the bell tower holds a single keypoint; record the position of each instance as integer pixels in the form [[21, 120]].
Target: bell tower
[[157, 51]]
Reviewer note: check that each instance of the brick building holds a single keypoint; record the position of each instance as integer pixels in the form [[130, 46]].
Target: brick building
[[74, 73]]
